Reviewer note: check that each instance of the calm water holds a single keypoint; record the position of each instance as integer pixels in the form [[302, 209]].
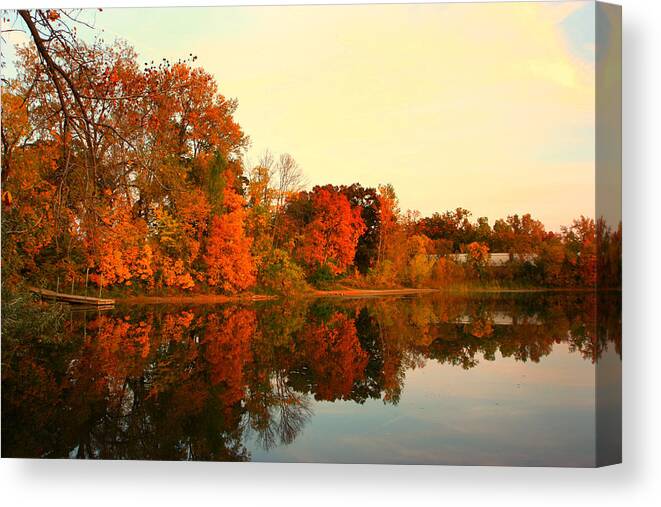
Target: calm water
[[494, 379]]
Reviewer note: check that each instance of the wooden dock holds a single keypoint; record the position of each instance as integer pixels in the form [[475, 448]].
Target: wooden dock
[[72, 298]]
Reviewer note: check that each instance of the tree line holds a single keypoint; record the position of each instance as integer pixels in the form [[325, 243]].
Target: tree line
[[122, 175]]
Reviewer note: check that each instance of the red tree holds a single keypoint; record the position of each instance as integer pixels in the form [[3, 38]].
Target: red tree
[[332, 235]]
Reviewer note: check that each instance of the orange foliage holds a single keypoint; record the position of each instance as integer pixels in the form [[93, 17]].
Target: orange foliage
[[446, 272], [175, 274], [117, 248], [228, 259], [478, 253], [27, 196], [179, 237], [331, 238]]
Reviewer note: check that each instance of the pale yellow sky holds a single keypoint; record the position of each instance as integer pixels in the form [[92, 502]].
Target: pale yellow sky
[[484, 106]]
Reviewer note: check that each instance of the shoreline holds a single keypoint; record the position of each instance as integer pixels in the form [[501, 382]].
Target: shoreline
[[220, 298], [368, 292], [332, 293], [205, 299]]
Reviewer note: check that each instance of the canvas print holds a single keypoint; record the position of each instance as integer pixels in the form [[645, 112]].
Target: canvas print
[[341, 233]]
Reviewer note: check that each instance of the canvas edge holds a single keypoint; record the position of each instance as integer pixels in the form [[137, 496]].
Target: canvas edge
[[608, 207]]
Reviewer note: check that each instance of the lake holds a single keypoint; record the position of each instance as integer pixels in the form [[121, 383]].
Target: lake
[[475, 378]]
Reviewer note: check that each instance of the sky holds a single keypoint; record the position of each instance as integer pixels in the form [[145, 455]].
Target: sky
[[488, 107]]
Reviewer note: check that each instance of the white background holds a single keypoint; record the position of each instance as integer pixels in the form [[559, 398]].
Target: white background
[[636, 482]]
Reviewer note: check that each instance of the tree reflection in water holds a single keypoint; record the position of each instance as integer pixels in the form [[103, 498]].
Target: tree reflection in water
[[198, 383]]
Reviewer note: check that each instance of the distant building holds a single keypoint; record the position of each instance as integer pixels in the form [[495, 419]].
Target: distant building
[[495, 259]]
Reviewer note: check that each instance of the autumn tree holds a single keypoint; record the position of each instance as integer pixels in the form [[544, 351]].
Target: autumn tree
[[118, 251], [229, 264], [331, 236], [288, 180], [452, 225], [551, 261], [28, 194], [261, 201], [367, 200], [478, 258], [126, 159], [420, 264], [581, 248], [388, 213]]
